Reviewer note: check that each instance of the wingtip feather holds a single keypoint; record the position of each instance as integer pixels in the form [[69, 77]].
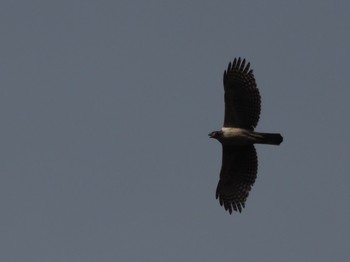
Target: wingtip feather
[[234, 62], [246, 69], [238, 62], [242, 65]]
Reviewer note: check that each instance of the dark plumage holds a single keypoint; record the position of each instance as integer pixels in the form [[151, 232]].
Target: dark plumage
[[242, 97], [239, 159]]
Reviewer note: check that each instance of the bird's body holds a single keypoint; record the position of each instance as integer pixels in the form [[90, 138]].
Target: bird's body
[[239, 159], [241, 137]]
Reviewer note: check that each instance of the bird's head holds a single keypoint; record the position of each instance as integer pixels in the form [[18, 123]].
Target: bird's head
[[215, 134]]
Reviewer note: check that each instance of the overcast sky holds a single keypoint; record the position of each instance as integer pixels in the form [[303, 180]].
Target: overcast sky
[[105, 110]]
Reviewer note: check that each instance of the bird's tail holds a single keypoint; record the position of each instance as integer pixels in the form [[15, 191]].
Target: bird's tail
[[269, 138]]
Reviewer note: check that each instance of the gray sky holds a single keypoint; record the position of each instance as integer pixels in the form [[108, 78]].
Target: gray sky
[[105, 107]]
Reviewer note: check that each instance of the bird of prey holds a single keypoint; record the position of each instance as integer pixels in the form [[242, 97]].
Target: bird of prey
[[237, 137]]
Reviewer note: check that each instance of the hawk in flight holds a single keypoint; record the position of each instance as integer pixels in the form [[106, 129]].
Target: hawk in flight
[[237, 137]]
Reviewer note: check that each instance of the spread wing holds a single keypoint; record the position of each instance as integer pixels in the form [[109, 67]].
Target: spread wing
[[242, 97], [237, 176]]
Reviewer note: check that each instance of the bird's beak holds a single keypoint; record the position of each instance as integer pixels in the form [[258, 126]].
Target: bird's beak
[[210, 135]]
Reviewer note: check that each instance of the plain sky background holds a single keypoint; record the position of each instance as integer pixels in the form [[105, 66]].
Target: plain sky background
[[105, 107]]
